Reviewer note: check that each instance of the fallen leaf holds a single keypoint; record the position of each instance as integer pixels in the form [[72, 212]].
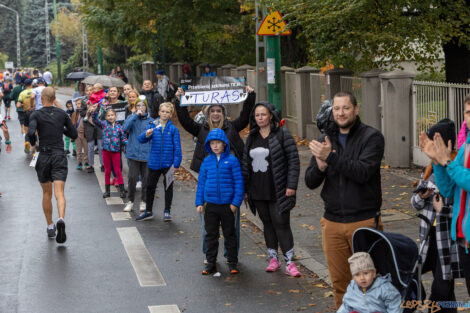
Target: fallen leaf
[[273, 292], [328, 294], [304, 225], [181, 232], [307, 195], [404, 186], [228, 304], [311, 227], [302, 308], [250, 253], [403, 194], [294, 291], [311, 304]]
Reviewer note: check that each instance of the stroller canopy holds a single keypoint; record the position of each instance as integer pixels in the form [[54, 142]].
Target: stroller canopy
[[392, 253]]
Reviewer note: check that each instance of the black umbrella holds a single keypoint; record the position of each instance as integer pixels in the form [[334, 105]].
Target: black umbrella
[[78, 76]]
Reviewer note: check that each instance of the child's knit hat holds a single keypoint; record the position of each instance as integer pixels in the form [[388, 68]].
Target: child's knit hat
[[360, 261]]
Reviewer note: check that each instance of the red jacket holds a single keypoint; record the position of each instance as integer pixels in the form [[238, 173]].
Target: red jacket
[[97, 96]]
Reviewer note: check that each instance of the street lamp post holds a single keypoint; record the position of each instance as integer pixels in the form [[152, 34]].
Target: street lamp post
[[18, 49]]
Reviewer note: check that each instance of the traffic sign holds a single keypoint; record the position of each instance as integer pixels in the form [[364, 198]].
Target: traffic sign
[[273, 25]]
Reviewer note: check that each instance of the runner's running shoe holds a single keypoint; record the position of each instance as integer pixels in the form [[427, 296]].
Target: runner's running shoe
[[51, 232], [27, 147], [61, 237]]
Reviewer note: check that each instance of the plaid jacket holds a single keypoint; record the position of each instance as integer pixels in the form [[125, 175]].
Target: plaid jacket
[[446, 249]]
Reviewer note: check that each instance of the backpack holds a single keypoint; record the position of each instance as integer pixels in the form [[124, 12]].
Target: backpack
[[325, 116], [6, 87]]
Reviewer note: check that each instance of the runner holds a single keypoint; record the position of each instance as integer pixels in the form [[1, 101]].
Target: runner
[[51, 166], [25, 104], [37, 92]]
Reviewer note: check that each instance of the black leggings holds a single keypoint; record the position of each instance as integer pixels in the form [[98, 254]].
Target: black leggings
[[441, 290], [465, 264], [152, 180], [277, 231]]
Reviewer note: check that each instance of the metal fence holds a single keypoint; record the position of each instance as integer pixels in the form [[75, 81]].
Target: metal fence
[[432, 102], [353, 85]]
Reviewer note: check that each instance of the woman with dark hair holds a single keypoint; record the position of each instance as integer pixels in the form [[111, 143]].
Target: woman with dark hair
[[271, 170]]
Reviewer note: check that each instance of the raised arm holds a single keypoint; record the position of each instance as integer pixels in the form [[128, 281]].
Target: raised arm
[[242, 121], [183, 116], [313, 176]]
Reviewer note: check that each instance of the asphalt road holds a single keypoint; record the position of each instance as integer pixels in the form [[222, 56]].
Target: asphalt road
[[110, 263]]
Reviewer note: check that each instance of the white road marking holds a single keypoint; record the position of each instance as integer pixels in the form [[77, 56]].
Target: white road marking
[[172, 308], [114, 200], [120, 216], [144, 266]]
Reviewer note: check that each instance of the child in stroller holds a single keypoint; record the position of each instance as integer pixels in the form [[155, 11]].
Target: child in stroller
[[367, 292]]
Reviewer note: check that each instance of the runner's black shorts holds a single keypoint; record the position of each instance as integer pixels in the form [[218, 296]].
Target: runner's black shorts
[[21, 117], [51, 167], [27, 114]]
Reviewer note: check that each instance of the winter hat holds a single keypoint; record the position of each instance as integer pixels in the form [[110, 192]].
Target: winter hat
[[360, 261], [446, 128], [160, 72]]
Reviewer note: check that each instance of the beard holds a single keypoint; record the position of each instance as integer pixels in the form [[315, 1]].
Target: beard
[[347, 124]]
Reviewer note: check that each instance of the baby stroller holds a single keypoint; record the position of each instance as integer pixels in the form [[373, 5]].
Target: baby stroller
[[395, 254]]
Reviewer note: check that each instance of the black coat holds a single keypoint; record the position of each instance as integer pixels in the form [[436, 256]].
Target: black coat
[[352, 189], [154, 99], [231, 129], [285, 164]]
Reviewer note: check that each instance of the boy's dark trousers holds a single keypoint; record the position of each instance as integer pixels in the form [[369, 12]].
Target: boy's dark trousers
[[215, 215], [152, 179], [137, 168]]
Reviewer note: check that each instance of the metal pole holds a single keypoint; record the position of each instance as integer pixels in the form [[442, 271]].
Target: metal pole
[[57, 44], [273, 53], [48, 44], [18, 48], [100, 61]]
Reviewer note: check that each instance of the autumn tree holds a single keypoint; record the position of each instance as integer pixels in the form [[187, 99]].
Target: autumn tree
[[365, 34]]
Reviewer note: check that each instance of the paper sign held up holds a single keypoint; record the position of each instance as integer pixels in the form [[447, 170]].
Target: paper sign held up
[[213, 90]]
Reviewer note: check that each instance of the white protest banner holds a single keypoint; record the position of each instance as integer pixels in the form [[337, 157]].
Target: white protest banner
[[213, 90], [9, 65], [120, 108]]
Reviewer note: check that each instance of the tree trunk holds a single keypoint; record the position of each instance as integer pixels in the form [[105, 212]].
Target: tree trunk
[[457, 62]]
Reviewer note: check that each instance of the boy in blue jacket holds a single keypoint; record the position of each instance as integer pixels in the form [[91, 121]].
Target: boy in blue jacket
[[220, 192], [165, 153]]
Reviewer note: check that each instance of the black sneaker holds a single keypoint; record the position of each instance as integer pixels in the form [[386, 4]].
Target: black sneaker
[[209, 269], [90, 169], [67, 152], [233, 268], [61, 237], [102, 168], [51, 232], [74, 153]]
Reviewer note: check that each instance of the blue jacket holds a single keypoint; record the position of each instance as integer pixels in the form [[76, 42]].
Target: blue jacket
[[136, 125], [382, 297], [219, 181], [165, 147], [451, 181]]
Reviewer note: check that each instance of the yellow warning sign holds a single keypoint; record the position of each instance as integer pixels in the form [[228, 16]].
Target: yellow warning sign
[[272, 25]]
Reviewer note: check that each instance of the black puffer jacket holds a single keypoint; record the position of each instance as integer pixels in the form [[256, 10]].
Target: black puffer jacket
[[231, 129], [284, 157], [352, 190], [154, 99]]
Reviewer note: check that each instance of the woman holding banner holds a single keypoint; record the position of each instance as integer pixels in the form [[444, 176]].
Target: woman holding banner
[[216, 117]]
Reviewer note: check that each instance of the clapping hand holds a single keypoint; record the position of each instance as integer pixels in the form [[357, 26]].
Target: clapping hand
[[435, 149], [321, 150], [149, 132]]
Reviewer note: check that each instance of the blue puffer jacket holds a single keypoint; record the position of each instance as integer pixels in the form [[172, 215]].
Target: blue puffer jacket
[[136, 125], [219, 182], [382, 297], [165, 148]]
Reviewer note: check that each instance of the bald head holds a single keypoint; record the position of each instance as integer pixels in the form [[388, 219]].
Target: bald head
[[48, 96]]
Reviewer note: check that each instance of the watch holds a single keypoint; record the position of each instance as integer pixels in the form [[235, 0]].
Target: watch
[[448, 162]]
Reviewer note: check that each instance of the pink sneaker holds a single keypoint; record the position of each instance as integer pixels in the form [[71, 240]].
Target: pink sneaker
[[292, 270], [273, 265]]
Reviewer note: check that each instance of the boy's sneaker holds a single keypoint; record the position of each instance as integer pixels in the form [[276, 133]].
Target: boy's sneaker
[[51, 231], [27, 147], [166, 216], [129, 206], [142, 206], [233, 268], [102, 168], [209, 269], [61, 237], [90, 169], [74, 153], [144, 216], [292, 270], [273, 265], [79, 166]]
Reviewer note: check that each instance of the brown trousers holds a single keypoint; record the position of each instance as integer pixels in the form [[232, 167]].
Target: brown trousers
[[337, 246], [81, 144]]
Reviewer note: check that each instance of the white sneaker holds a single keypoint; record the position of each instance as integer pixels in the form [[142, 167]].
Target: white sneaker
[[129, 206], [142, 206], [138, 185]]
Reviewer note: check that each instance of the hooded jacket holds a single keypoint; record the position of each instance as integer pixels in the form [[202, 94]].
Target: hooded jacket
[[135, 125], [220, 181], [352, 188], [231, 129], [454, 181], [154, 99], [114, 137], [284, 159], [382, 296], [165, 146]]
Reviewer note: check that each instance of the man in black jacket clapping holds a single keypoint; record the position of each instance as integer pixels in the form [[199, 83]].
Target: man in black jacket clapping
[[347, 159]]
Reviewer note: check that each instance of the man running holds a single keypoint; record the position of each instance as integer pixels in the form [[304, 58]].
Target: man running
[[51, 167]]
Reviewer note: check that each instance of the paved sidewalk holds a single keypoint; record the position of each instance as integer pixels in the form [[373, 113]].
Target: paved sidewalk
[[398, 215]]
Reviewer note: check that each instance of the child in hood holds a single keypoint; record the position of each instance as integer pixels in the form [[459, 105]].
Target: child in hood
[[98, 94]]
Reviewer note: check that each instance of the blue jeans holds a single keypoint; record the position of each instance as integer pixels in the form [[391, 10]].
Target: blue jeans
[[237, 233]]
